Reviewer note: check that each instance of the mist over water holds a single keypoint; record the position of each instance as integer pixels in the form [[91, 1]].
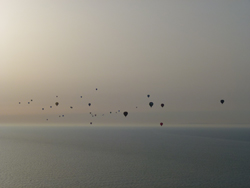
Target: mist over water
[[85, 156]]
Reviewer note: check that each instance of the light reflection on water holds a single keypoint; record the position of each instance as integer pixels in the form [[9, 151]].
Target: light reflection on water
[[124, 156]]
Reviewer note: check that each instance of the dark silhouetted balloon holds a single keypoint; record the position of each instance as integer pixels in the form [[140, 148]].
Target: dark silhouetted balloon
[[71, 107], [110, 112], [95, 88], [28, 102], [125, 113], [151, 104], [42, 108], [148, 96], [31, 100], [50, 106], [56, 96], [89, 104], [59, 116], [162, 105], [81, 96], [118, 110], [19, 102], [91, 123], [47, 119], [57, 103], [161, 123], [62, 115], [136, 107], [222, 101]]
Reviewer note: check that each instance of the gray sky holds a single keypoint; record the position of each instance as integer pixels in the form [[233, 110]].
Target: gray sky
[[186, 54]]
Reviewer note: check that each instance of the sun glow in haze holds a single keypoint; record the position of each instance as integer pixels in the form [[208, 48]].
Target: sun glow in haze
[[182, 54]]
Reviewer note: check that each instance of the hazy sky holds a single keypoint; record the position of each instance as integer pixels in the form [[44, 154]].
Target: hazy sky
[[186, 54]]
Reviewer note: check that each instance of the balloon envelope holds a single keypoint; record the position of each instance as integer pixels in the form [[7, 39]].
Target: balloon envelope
[[57, 103], [162, 105], [148, 96], [125, 113], [89, 104], [222, 101], [161, 123], [151, 104]]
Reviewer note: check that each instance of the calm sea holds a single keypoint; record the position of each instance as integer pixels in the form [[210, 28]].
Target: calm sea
[[87, 156]]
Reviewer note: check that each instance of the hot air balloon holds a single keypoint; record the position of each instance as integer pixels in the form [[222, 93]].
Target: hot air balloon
[[71, 107], [50, 106], [148, 96], [31, 100], [42, 108], [56, 96], [81, 96], [118, 110], [125, 113], [162, 105], [28, 102], [110, 112], [222, 101], [47, 119], [95, 88], [89, 104], [59, 116], [161, 123], [57, 103], [151, 104], [19, 102], [62, 115], [90, 123]]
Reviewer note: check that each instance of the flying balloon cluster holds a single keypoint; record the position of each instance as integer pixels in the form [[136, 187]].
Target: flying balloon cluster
[[125, 113]]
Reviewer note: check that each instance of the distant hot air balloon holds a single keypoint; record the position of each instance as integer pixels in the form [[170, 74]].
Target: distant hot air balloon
[[81, 96], [62, 115], [136, 107], [56, 96], [59, 116], [28, 102], [95, 88], [71, 107], [125, 113], [89, 104], [50, 106], [19, 102], [110, 112], [57, 103], [161, 123], [222, 101], [47, 119], [148, 96], [42, 108], [162, 105], [151, 104], [118, 110], [31, 100], [91, 123]]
